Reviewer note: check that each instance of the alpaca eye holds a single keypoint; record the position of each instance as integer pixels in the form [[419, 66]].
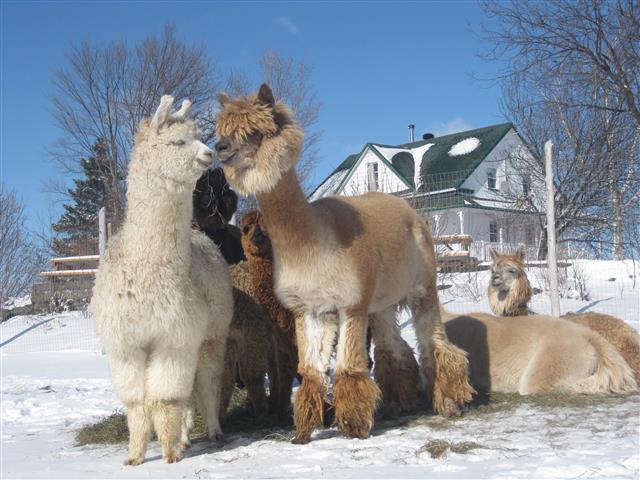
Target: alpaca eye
[[178, 142]]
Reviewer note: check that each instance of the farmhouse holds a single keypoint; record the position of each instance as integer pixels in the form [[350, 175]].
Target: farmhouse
[[469, 185]]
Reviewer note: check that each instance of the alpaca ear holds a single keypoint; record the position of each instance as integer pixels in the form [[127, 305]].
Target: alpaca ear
[[265, 96], [184, 110], [223, 99], [162, 113], [521, 251], [493, 253]]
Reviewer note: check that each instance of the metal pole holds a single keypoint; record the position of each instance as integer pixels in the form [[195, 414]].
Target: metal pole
[[102, 231], [552, 261]]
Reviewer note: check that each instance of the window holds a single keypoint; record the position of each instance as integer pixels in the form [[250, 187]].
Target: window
[[526, 188], [493, 231], [492, 182], [372, 177]]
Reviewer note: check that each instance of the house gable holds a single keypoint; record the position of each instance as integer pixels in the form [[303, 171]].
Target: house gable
[[356, 181]]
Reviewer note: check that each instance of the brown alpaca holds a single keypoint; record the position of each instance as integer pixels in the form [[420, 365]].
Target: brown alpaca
[[336, 261], [509, 293], [396, 398], [252, 347], [537, 354], [257, 248]]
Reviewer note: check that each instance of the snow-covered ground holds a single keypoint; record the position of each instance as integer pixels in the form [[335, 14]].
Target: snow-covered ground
[[54, 381]]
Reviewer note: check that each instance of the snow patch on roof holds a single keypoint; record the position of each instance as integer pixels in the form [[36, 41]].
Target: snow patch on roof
[[330, 185], [417, 161], [465, 146], [388, 152]]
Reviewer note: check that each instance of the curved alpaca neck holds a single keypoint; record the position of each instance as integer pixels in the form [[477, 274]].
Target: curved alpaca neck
[[289, 216], [159, 221]]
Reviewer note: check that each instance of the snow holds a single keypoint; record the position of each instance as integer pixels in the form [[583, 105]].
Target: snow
[[54, 381], [465, 146], [15, 302]]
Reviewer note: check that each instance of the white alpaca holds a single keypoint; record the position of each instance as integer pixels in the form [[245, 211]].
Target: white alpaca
[[163, 291]]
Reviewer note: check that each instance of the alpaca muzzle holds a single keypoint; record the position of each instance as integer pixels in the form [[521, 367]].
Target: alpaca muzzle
[[204, 156]]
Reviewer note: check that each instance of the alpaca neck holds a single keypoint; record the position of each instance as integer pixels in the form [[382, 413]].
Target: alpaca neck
[[161, 225], [509, 306], [288, 215]]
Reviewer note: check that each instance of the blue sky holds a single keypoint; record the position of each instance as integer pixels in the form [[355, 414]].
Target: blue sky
[[377, 66]]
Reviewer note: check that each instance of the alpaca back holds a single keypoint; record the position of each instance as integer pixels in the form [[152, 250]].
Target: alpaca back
[[537, 354]]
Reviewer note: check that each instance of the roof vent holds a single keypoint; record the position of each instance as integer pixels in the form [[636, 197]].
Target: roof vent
[[412, 127], [427, 136]]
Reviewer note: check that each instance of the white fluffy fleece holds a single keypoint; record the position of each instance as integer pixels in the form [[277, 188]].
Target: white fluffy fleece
[[161, 288]]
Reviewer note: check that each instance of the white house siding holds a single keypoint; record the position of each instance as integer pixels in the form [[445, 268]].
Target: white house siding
[[357, 184], [506, 158]]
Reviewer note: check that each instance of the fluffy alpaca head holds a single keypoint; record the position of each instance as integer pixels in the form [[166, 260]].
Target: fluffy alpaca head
[[168, 153], [255, 240], [258, 141], [214, 203], [509, 289]]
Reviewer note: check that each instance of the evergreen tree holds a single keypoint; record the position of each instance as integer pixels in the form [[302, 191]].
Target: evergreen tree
[[77, 229]]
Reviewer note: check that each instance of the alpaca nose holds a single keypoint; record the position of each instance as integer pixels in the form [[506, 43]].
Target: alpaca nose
[[222, 146]]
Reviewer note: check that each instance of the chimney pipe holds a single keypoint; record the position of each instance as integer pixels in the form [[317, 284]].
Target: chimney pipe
[[411, 129]]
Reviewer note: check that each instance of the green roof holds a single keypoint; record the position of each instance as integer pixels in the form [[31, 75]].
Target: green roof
[[439, 170], [437, 162], [403, 164]]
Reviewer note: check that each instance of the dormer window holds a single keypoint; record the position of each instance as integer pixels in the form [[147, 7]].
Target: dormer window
[[372, 177], [492, 179]]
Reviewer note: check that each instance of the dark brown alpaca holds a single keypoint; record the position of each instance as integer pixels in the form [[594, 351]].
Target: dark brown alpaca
[[257, 248], [214, 204], [509, 294]]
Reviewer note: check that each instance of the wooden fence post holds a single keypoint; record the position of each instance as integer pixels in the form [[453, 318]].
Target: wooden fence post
[[552, 261], [102, 231]]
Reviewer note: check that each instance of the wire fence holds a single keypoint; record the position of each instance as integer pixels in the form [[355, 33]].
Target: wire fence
[[71, 331], [468, 213]]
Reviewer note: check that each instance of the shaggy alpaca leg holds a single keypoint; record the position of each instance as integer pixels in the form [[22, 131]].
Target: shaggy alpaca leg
[[308, 406], [252, 372], [275, 377], [256, 394], [167, 421], [228, 378], [444, 365], [208, 385], [288, 363], [396, 370], [139, 432], [187, 425], [355, 395]]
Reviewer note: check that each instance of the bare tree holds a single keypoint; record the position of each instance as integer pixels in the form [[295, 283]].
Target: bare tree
[[20, 259], [105, 91], [570, 41], [571, 75]]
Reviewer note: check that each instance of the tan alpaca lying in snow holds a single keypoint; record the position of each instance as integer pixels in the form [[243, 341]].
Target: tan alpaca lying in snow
[[338, 262], [537, 354], [509, 293], [162, 298]]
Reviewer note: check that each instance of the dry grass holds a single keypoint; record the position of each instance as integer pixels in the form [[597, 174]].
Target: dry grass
[[113, 429], [440, 448]]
